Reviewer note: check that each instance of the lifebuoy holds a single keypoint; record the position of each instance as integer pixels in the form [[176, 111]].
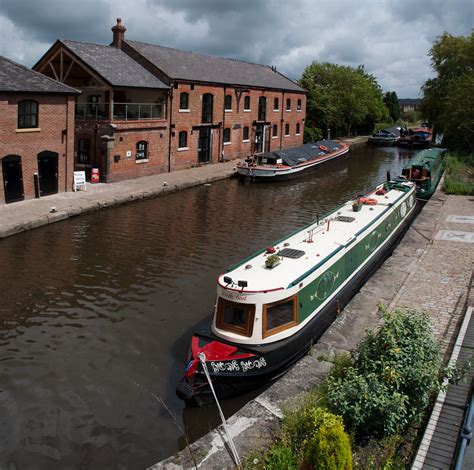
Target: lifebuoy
[[371, 202], [322, 147]]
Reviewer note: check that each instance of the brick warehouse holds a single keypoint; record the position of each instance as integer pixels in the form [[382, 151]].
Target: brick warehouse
[[147, 109], [36, 133]]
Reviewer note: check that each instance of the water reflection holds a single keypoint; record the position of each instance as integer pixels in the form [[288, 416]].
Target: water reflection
[[96, 312]]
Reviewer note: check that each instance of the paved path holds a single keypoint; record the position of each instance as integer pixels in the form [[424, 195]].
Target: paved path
[[430, 270]]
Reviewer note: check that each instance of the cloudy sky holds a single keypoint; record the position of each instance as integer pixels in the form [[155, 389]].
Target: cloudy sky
[[390, 37]]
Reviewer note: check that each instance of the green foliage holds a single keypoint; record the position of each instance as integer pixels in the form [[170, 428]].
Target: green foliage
[[342, 98], [448, 99], [459, 176], [412, 117], [330, 448], [394, 371], [382, 125], [277, 457], [393, 106], [312, 134]]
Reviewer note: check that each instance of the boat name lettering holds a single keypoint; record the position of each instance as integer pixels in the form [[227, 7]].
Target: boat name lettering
[[232, 366], [234, 297]]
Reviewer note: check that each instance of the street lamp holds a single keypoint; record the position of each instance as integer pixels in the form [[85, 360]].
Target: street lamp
[[329, 134]]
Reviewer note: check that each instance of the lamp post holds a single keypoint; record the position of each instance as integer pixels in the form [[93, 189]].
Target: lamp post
[[329, 134]]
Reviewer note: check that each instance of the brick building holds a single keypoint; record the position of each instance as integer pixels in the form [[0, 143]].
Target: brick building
[[148, 109], [36, 133]]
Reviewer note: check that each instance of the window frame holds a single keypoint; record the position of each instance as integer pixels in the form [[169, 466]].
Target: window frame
[[207, 109], [262, 108], [224, 132], [80, 151], [276, 101], [185, 134], [228, 102], [27, 112], [246, 129], [278, 329], [298, 129], [288, 104], [299, 105], [275, 131], [141, 159], [184, 95], [287, 130], [247, 101], [243, 331]]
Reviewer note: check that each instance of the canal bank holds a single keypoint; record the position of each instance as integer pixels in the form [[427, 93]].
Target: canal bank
[[430, 270], [34, 213]]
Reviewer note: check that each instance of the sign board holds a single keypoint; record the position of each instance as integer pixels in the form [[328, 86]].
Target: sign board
[[79, 180]]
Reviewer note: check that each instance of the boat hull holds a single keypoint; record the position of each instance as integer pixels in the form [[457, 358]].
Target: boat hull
[[283, 172], [280, 356]]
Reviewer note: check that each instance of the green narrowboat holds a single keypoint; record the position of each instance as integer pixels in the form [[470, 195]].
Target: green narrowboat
[[425, 170]]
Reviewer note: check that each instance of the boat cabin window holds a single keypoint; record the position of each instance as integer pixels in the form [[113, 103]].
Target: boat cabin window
[[279, 316], [235, 317]]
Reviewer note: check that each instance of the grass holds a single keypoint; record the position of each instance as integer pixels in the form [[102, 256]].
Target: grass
[[459, 177]]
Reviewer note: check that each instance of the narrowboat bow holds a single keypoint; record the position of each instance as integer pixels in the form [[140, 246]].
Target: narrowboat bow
[[273, 305], [286, 164]]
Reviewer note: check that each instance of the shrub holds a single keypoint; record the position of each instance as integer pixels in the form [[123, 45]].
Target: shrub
[[393, 373], [330, 448], [459, 177], [312, 134], [277, 457]]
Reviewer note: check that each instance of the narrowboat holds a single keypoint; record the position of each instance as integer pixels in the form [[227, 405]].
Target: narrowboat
[[286, 164], [273, 305], [425, 170], [388, 136], [419, 137]]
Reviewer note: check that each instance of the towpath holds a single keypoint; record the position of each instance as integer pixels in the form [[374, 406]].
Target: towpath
[[430, 270]]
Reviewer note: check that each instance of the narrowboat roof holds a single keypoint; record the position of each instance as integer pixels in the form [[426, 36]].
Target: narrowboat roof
[[299, 256], [294, 156], [425, 158]]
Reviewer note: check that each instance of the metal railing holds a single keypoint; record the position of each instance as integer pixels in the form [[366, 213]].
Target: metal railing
[[120, 111]]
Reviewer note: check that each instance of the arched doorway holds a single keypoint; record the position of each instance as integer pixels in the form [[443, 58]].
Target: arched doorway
[[12, 178], [48, 172]]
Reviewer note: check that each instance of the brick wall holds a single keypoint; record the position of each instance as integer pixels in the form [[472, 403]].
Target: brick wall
[[55, 133], [235, 119]]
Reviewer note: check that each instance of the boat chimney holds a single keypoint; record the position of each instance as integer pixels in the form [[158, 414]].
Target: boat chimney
[[388, 176], [119, 34]]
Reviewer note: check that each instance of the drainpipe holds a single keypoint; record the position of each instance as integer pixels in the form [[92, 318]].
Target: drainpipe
[[67, 137], [281, 121], [221, 156], [169, 127]]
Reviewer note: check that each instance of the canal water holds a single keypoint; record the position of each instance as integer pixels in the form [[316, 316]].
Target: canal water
[[96, 312]]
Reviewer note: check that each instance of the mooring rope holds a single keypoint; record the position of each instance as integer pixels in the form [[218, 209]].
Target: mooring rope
[[235, 455]]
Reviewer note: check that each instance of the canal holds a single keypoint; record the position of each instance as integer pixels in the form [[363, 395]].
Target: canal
[[96, 312]]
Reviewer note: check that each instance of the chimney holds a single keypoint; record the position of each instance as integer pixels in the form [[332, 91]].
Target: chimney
[[119, 33]]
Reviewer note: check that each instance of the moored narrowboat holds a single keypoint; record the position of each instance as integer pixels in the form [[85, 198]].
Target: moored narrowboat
[[286, 164], [419, 137], [272, 306], [388, 136], [425, 170]]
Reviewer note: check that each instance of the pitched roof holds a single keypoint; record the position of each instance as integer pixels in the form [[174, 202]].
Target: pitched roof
[[112, 64], [409, 101], [15, 77], [205, 68]]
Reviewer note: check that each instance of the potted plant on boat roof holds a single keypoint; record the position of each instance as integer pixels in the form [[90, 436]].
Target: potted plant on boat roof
[[272, 261], [357, 205]]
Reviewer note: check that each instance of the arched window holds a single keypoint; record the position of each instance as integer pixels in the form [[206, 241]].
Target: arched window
[[183, 140], [227, 134], [298, 105], [247, 103], [83, 152], [228, 102], [142, 150], [288, 104], [27, 114], [287, 129], [275, 130], [276, 104], [262, 108], [207, 107], [245, 133], [297, 128], [184, 100]]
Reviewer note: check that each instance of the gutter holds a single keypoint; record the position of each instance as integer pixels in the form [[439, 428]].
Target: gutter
[[169, 130]]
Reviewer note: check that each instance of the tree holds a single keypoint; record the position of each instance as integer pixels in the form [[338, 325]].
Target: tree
[[448, 99], [393, 106], [341, 98]]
